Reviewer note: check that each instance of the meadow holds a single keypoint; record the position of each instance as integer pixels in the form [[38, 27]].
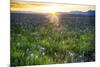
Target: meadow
[[35, 41]]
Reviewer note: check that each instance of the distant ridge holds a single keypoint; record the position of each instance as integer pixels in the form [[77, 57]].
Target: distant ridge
[[26, 12], [90, 12]]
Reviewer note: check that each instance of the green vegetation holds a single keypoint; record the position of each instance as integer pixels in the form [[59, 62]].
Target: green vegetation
[[45, 43]]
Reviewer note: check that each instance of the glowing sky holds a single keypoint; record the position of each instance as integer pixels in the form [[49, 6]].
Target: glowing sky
[[21, 5], [91, 2]]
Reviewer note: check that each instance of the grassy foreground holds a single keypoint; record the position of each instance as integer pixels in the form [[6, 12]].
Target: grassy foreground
[[44, 43]]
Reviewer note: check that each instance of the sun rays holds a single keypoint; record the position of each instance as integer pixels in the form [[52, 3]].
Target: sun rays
[[53, 14], [53, 18]]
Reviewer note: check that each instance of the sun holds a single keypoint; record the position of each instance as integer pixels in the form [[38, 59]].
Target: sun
[[53, 16], [53, 13], [52, 9]]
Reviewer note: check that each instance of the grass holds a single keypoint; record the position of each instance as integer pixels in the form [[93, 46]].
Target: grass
[[44, 43]]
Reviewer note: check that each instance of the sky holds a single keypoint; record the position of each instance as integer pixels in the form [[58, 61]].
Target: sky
[[30, 5], [92, 2]]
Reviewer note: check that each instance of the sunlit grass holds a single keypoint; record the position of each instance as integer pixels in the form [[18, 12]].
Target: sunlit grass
[[43, 43]]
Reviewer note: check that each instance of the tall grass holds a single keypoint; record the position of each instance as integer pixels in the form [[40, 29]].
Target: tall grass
[[43, 43]]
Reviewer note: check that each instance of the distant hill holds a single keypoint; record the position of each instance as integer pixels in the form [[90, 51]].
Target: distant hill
[[90, 12], [27, 12]]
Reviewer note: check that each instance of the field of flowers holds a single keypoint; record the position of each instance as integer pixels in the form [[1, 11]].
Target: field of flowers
[[34, 41]]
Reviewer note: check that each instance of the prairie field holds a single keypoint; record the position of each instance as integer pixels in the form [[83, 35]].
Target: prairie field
[[36, 41]]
